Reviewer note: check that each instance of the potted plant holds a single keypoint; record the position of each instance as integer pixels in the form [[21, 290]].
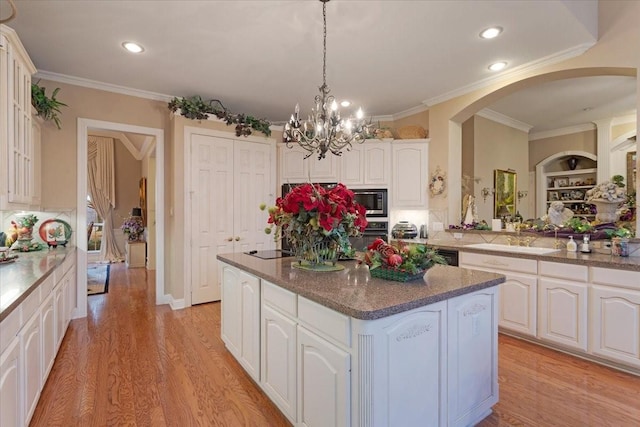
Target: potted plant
[[47, 108]]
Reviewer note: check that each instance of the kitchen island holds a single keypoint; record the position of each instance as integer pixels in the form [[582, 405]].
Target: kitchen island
[[344, 349]]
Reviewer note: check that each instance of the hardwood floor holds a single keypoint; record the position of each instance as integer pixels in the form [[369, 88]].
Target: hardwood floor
[[132, 363]]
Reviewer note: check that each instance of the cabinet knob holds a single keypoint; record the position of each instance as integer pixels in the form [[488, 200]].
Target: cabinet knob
[[237, 238], [229, 239]]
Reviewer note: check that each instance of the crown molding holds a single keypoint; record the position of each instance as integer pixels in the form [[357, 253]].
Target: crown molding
[[514, 73], [505, 120], [410, 112], [631, 118], [92, 84], [562, 131]]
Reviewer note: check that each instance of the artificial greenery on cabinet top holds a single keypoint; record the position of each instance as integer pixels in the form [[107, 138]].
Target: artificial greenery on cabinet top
[[195, 108], [47, 107]]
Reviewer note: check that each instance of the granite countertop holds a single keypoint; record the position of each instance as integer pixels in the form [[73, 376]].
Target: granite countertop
[[18, 279], [344, 291], [592, 259]]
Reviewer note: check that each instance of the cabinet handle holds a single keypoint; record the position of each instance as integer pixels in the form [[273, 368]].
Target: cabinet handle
[[498, 263], [237, 238], [229, 239]]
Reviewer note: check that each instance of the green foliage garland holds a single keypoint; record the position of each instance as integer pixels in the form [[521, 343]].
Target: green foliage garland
[[47, 108], [195, 108]]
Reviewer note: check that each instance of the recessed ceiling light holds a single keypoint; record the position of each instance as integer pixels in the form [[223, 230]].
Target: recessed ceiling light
[[491, 32], [133, 47], [345, 103], [587, 109], [497, 66]]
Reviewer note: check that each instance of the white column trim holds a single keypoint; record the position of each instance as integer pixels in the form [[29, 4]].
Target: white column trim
[[603, 132]]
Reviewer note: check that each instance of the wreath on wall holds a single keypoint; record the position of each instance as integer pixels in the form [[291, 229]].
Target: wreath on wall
[[195, 108]]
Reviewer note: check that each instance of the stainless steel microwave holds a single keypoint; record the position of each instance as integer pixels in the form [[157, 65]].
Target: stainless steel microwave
[[373, 200]]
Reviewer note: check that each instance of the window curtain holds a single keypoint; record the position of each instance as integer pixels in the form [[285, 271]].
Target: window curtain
[[102, 190]]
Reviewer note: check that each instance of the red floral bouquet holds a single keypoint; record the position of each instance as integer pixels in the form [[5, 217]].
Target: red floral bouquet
[[310, 214], [400, 261]]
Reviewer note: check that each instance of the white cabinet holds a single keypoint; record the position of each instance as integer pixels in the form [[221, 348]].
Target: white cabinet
[[36, 141], [563, 304], [410, 170], [59, 308], [614, 304], [16, 147], [31, 352], [135, 254], [48, 332], [472, 357], [518, 294], [241, 318], [367, 164], [324, 385], [10, 385], [294, 168], [229, 179]]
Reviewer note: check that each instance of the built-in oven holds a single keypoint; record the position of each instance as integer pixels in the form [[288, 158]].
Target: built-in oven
[[374, 230], [373, 200]]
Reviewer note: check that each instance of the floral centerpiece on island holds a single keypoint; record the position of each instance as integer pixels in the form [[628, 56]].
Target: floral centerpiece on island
[[399, 261], [317, 222], [133, 228], [607, 196]]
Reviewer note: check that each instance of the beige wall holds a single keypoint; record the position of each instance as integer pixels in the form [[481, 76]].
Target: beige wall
[[540, 149], [498, 147], [611, 55], [468, 154], [618, 130], [128, 172]]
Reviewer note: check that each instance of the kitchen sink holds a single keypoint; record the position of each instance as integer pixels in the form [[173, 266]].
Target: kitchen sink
[[512, 249]]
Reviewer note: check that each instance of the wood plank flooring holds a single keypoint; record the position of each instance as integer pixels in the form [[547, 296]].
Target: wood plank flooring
[[132, 363]]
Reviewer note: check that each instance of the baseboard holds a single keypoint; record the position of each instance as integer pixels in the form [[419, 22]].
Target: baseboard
[[175, 304]]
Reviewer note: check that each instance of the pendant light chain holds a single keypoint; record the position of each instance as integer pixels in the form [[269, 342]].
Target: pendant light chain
[[324, 44]]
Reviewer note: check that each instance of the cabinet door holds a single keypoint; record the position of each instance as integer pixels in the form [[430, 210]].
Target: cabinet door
[[72, 288], [48, 332], [325, 170], [10, 386], [36, 141], [377, 163], [30, 345], [59, 306], [278, 377], [352, 166], [324, 382], [410, 170], [231, 306], [562, 315], [518, 303], [293, 166], [615, 317], [472, 356], [249, 288]]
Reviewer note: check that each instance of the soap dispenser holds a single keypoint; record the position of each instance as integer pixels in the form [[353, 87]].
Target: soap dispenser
[[584, 248], [572, 245]]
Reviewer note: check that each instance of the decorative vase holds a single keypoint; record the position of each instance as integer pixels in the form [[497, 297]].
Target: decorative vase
[[317, 255], [573, 163], [606, 211]]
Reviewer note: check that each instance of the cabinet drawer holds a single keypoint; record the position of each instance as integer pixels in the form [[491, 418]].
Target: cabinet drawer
[[46, 287], [575, 273], [30, 304], [333, 324], [499, 262], [67, 263], [622, 278], [279, 298]]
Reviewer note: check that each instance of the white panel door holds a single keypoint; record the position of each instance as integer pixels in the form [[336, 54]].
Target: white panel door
[[518, 303], [30, 343], [377, 164], [48, 332], [231, 310], [211, 212], [562, 316], [352, 168], [249, 288], [410, 170]]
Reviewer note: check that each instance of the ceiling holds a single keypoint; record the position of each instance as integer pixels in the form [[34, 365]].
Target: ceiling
[[263, 57]]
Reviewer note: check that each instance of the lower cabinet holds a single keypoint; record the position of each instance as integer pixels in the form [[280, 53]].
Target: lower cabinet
[[10, 388], [518, 295], [29, 337], [615, 324], [562, 310], [241, 318], [324, 395]]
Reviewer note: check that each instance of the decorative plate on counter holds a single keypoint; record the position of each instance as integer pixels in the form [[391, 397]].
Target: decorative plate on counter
[[55, 232]]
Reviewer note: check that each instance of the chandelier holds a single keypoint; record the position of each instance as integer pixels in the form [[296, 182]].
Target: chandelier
[[325, 130]]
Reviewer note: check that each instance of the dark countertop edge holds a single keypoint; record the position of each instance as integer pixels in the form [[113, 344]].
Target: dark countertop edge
[[11, 307], [360, 314]]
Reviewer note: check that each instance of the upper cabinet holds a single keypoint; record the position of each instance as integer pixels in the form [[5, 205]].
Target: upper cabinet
[[17, 183], [294, 168], [410, 169], [367, 164]]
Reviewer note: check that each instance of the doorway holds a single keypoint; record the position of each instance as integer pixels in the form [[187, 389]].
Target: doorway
[[85, 127]]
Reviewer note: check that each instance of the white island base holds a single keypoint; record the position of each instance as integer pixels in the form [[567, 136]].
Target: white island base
[[434, 365]]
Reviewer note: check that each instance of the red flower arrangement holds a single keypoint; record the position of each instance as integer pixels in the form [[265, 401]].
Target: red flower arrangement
[[310, 214], [409, 261]]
